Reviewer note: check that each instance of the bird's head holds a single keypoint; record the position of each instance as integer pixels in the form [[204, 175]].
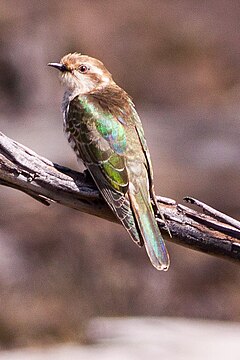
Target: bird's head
[[82, 74]]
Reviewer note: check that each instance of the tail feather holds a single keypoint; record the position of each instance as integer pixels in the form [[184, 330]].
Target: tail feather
[[136, 214], [153, 240]]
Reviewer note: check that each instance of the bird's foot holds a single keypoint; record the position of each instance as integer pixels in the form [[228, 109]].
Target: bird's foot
[[87, 176]]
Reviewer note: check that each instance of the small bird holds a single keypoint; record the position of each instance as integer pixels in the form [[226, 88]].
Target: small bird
[[106, 133]]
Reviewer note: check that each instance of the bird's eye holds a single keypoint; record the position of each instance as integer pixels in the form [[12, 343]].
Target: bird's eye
[[83, 69]]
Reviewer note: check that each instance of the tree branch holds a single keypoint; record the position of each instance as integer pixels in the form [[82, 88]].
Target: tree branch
[[209, 231]]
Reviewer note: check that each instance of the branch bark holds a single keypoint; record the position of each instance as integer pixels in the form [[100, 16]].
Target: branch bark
[[208, 231]]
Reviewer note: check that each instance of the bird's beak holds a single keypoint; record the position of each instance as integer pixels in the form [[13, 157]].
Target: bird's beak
[[60, 67]]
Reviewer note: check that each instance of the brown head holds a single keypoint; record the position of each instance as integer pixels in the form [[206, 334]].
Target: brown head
[[82, 74]]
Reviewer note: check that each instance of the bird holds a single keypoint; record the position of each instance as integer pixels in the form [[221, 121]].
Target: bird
[[106, 133]]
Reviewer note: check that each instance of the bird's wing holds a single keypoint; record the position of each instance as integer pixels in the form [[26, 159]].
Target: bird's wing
[[143, 142], [101, 144], [148, 162], [140, 132]]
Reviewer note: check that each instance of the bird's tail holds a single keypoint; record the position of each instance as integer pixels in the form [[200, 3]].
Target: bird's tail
[[148, 227]]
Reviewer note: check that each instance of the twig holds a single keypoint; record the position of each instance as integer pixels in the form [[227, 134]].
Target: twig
[[213, 212], [21, 168]]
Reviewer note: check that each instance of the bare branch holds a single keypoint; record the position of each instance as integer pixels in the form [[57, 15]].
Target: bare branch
[[213, 212], [21, 168]]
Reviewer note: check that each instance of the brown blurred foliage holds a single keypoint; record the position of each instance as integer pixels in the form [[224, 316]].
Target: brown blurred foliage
[[180, 61]]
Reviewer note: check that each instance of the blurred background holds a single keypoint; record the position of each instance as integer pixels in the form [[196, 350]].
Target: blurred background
[[180, 61]]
